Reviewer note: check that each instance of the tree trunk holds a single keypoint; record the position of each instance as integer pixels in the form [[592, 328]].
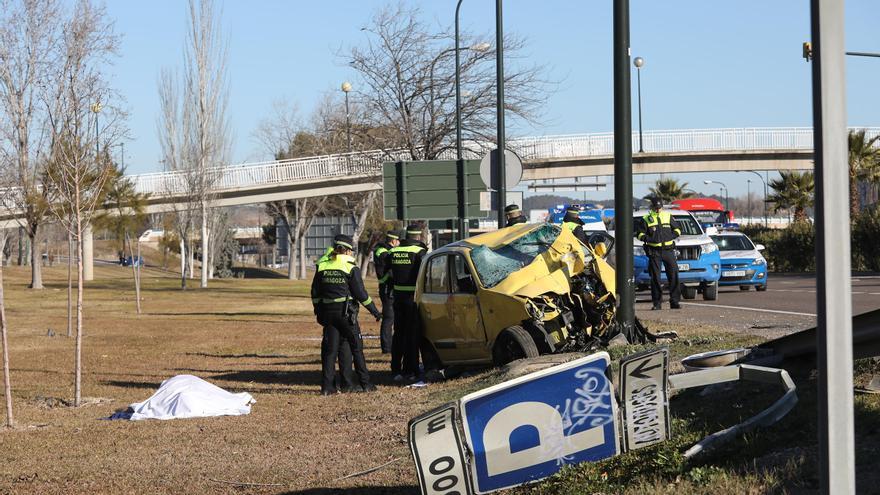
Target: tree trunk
[[134, 272], [77, 381], [302, 257], [7, 387], [291, 274], [182, 263], [205, 255], [191, 254], [21, 255], [854, 204], [36, 264], [69, 284]]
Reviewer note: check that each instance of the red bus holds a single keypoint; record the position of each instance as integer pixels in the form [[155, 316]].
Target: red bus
[[706, 210]]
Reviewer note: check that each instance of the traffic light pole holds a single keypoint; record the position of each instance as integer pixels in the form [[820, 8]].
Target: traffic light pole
[[623, 211]]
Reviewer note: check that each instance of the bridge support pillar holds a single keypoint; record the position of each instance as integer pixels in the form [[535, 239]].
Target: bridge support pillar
[[88, 253]]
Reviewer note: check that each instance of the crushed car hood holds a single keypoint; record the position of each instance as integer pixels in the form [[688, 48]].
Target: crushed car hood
[[548, 272]]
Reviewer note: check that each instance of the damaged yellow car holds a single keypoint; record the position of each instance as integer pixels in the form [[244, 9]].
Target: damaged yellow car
[[519, 292]]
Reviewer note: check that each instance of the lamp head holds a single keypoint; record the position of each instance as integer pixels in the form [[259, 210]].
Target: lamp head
[[639, 62], [346, 87]]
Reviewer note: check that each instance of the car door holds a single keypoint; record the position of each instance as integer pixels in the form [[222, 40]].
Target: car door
[[464, 310], [434, 308]]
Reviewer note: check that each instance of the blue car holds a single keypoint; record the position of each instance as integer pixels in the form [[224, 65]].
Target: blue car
[[741, 261]]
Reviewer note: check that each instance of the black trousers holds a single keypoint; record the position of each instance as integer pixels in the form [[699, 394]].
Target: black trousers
[[407, 335], [667, 258], [386, 295], [340, 330]]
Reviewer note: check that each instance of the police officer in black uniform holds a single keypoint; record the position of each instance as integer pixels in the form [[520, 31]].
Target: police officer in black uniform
[[405, 262], [336, 291], [573, 223], [658, 230], [382, 264], [514, 215]]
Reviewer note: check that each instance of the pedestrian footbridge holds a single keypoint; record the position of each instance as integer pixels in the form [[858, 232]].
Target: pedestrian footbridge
[[550, 157]]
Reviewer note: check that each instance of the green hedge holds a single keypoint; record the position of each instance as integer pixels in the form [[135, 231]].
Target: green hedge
[[793, 249], [866, 240]]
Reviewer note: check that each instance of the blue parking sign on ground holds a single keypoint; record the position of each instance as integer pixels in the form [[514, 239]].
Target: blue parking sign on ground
[[526, 429]]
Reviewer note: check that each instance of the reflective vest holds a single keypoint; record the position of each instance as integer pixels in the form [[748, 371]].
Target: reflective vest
[[659, 231], [380, 263], [333, 282], [404, 261], [570, 226]]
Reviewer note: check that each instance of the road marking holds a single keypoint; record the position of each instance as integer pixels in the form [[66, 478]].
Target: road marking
[[751, 309]]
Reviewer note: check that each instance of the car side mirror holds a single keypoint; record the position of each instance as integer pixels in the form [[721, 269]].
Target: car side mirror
[[760, 247]]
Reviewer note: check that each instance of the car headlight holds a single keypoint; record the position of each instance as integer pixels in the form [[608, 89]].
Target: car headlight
[[759, 262], [709, 248], [638, 251]]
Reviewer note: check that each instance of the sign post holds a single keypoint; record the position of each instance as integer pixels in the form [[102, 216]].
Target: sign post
[[438, 452], [644, 394]]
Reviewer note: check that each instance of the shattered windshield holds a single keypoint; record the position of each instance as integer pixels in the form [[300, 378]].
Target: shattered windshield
[[493, 266]]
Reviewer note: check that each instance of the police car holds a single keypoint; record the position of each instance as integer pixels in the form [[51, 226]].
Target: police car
[[741, 261]]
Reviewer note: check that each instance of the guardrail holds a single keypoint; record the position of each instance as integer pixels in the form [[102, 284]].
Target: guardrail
[[368, 164]]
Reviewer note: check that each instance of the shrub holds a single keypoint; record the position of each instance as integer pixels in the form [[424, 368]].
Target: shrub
[[792, 249], [866, 240]]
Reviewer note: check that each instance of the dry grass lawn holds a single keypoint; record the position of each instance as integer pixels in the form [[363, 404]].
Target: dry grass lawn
[[259, 336]]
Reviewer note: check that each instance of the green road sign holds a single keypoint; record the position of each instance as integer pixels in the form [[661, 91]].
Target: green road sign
[[429, 189]]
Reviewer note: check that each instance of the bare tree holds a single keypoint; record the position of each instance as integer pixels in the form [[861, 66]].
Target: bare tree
[[206, 97], [76, 170], [407, 85], [29, 38], [173, 128], [4, 340]]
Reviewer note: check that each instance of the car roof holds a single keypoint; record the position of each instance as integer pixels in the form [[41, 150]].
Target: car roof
[[729, 233]]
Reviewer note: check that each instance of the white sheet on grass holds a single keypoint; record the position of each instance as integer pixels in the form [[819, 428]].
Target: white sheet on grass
[[187, 396]]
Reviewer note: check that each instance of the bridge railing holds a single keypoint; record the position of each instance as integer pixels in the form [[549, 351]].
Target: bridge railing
[[530, 149]]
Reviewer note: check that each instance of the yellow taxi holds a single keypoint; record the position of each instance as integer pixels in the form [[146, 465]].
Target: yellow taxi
[[514, 293]]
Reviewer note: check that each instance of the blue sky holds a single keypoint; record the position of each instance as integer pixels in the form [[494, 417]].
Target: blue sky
[[709, 63]]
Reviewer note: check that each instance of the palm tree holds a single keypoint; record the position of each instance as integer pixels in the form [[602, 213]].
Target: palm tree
[[793, 190], [669, 190], [864, 165]]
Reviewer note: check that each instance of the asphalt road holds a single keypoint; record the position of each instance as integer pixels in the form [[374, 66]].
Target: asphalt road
[[788, 305]]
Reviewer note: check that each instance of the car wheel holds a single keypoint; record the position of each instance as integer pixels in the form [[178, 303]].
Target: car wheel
[[710, 293], [761, 288], [743, 287], [513, 343], [688, 292]]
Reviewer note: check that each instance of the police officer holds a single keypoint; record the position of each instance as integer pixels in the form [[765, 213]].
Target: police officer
[[336, 291], [514, 215], [573, 223], [344, 380], [382, 264], [658, 230], [405, 260]]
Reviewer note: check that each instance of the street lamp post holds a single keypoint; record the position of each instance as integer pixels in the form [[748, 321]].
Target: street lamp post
[[765, 193], [726, 195], [501, 171], [639, 62], [749, 196], [346, 88], [96, 109]]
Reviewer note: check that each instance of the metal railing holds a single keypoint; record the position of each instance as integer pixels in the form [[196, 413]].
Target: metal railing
[[368, 164]]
